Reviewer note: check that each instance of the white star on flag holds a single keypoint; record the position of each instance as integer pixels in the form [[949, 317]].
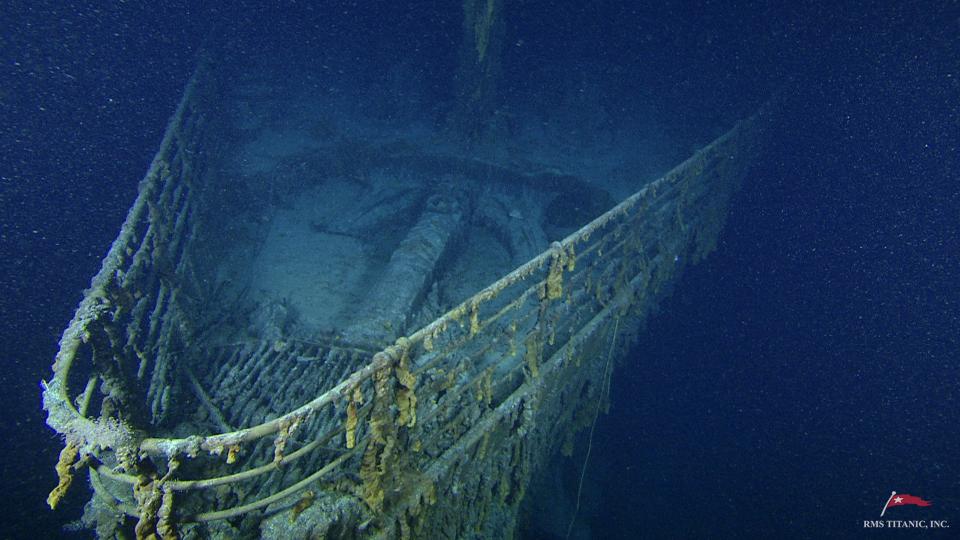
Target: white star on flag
[[902, 500]]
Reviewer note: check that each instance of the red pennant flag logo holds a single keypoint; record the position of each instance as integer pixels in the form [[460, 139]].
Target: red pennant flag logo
[[902, 499]]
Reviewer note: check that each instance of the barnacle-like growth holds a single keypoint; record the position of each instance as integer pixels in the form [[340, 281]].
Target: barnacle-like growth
[[149, 500], [280, 443], [532, 355], [64, 473], [351, 426], [406, 398], [379, 454], [474, 318], [165, 523], [554, 283]]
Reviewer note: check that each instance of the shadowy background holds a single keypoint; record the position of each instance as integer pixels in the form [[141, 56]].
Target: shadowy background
[[795, 378]]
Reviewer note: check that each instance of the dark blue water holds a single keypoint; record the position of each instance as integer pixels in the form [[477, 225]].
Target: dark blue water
[[804, 371], [810, 366]]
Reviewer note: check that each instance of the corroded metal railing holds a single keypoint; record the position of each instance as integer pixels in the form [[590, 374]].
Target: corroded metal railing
[[459, 408]]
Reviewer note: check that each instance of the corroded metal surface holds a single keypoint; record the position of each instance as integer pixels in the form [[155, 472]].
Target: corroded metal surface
[[436, 435]]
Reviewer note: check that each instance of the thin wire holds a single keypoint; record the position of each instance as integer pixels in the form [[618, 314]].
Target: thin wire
[[596, 415]]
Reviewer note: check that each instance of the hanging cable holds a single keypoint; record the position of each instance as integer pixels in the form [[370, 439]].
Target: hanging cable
[[603, 390]]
